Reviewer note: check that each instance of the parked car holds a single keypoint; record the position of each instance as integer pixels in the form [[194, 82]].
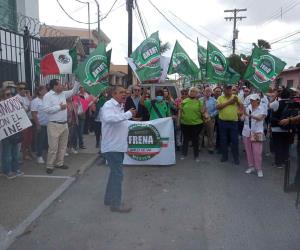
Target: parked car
[[173, 89]]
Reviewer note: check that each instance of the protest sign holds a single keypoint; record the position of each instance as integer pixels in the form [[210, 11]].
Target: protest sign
[[151, 143], [13, 117]]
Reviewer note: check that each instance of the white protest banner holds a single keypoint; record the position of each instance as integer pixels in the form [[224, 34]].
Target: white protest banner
[[151, 142], [13, 117]]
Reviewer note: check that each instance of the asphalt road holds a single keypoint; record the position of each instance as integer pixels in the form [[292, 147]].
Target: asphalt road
[[209, 205]]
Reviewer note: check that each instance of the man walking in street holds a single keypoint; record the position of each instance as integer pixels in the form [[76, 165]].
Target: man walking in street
[[114, 145], [229, 107], [56, 108], [133, 101]]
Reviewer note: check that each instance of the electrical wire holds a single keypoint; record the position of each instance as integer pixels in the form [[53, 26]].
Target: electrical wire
[[195, 30], [141, 19], [285, 37], [168, 20], [288, 7], [110, 10], [75, 20], [139, 23]]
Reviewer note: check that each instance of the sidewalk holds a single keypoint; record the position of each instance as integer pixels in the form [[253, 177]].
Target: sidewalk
[[23, 199]]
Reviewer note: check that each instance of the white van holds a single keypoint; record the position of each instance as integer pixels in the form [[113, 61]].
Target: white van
[[173, 89]]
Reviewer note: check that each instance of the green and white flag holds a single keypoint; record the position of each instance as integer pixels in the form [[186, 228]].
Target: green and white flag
[[93, 71], [202, 55], [181, 63], [262, 69], [146, 57], [218, 69], [231, 76]]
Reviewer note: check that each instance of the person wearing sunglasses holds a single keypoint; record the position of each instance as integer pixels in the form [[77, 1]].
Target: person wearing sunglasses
[[133, 101], [10, 149]]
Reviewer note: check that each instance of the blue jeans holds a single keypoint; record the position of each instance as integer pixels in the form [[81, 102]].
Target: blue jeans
[[113, 193], [80, 131], [41, 141], [229, 130], [10, 156]]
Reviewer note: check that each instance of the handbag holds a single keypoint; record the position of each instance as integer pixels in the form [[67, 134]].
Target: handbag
[[257, 137]]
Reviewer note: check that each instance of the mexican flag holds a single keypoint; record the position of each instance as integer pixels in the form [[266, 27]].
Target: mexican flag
[[93, 72], [202, 55], [146, 58], [262, 69], [59, 62], [218, 69], [181, 63]]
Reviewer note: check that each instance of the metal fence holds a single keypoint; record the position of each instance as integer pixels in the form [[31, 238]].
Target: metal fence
[[17, 53]]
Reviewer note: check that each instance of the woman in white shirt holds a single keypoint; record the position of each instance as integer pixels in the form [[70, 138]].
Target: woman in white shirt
[[253, 134]]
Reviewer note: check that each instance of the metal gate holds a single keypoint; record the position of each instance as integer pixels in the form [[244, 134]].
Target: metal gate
[[17, 53]]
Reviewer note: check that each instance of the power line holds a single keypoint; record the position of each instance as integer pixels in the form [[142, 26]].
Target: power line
[[141, 19], [75, 20], [139, 23], [287, 36], [195, 30], [168, 20], [110, 10], [288, 7]]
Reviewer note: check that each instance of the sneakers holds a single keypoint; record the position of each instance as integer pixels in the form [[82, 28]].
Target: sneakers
[[19, 173], [40, 160], [66, 154], [260, 173], [74, 151], [250, 170], [182, 157], [10, 175], [197, 159], [121, 209]]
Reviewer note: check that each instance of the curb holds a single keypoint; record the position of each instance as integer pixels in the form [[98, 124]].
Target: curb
[[11, 236]]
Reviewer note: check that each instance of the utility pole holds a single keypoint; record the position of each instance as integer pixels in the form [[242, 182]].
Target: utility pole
[[98, 15], [235, 18], [129, 7]]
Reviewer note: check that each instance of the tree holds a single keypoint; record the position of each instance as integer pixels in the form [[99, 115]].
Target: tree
[[164, 47], [236, 63], [298, 65], [263, 44]]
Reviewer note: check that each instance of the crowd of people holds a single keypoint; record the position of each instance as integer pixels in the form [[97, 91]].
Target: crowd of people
[[217, 118], [60, 116]]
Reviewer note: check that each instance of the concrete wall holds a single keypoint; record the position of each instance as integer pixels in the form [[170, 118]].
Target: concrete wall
[[28, 8]]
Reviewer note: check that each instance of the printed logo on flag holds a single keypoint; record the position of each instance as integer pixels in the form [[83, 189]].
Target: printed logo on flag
[[181, 60], [144, 142], [150, 53], [64, 59], [264, 69], [95, 70], [219, 63], [201, 56]]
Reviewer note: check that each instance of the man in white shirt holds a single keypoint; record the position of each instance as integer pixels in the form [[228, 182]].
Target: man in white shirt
[[114, 145], [56, 108]]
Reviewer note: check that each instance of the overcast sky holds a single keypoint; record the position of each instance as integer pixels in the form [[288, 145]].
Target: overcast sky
[[264, 21]]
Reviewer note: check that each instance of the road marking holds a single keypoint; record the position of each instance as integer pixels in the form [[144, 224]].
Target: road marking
[[47, 176]]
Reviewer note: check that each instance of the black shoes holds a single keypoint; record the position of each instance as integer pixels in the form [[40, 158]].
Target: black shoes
[[82, 147], [121, 209], [49, 170], [62, 167]]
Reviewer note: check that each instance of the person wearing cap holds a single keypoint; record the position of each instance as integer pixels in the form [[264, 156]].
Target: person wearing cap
[[229, 107], [253, 134]]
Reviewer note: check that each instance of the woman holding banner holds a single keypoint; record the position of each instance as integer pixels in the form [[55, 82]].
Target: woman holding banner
[[190, 119], [10, 152]]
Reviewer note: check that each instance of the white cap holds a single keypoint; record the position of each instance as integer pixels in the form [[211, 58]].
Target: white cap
[[254, 97]]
